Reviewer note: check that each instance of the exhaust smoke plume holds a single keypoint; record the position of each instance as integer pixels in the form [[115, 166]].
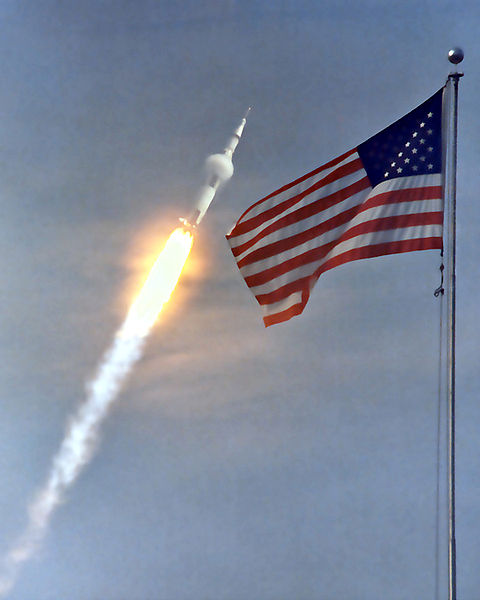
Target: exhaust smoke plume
[[81, 438]]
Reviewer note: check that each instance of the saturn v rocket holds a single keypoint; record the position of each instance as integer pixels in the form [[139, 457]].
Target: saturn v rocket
[[219, 169]]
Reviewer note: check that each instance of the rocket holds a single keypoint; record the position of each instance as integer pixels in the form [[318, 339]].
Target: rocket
[[219, 169]]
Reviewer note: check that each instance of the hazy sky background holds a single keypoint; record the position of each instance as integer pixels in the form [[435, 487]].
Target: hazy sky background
[[297, 462]]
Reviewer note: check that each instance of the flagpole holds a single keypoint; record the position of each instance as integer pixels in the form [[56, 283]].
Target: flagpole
[[455, 56]]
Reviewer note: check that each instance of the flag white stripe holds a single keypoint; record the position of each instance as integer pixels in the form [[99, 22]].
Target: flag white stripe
[[261, 207], [408, 183], [281, 305], [387, 210], [369, 239], [305, 224], [314, 196], [404, 183]]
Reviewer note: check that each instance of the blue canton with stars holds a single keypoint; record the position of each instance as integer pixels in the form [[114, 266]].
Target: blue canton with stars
[[410, 146]]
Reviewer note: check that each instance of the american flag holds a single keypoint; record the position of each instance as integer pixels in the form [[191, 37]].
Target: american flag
[[383, 197]]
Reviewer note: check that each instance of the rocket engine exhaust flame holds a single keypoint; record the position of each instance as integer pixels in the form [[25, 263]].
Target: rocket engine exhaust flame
[[81, 438], [160, 283]]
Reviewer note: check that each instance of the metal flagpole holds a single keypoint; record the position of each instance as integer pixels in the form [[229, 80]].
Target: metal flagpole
[[455, 56]]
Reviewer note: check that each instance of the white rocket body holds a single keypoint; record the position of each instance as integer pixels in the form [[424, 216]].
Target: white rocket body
[[219, 169]]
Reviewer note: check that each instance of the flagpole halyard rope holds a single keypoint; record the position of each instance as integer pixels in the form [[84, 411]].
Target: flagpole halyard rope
[[439, 293]]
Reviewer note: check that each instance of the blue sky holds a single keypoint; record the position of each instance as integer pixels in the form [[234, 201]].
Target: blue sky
[[238, 462]]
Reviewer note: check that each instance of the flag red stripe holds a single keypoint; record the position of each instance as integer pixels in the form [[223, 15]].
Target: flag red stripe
[[278, 246], [304, 212], [390, 197], [357, 254], [245, 225], [286, 187], [380, 224], [398, 247], [284, 291], [306, 283], [431, 192], [300, 238], [285, 315]]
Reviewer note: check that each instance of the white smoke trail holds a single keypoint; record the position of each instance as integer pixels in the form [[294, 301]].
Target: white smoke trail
[[77, 448], [81, 437]]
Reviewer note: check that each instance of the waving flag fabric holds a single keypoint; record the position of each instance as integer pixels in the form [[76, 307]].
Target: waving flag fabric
[[383, 197]]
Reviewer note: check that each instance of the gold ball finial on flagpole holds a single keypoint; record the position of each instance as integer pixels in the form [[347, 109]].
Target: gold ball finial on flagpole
[[455, 55]]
